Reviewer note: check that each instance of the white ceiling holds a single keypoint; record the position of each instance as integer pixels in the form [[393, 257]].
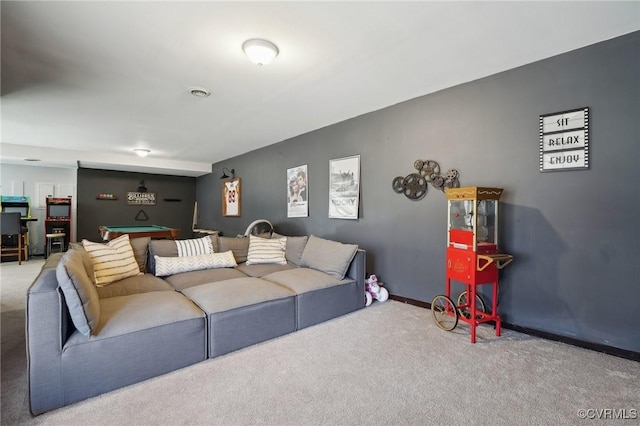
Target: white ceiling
[[90, 81]]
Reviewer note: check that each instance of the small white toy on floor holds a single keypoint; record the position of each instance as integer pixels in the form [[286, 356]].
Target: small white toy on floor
[[374, 290]]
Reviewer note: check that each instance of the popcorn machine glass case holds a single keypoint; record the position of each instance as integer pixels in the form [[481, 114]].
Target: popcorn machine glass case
[[473, 219], [472, 257]]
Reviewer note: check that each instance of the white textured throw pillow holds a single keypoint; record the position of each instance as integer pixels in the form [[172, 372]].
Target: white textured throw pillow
[[112, 261], [262, 250], [194, 246], [175, 265]]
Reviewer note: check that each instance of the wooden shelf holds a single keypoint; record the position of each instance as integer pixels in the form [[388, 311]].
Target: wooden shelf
[[106, 196]]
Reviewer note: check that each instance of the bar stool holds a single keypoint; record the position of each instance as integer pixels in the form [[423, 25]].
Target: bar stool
[[55, 240], [24, 233], [12, 238]]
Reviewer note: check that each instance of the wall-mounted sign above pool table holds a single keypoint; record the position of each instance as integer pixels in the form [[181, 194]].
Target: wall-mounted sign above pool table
[[108, 233], [141, 198]]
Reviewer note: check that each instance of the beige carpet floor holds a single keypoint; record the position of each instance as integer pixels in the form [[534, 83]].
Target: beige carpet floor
[[387, 364]]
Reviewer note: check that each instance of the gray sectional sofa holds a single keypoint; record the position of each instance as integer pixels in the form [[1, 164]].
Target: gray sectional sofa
[[84, 340]]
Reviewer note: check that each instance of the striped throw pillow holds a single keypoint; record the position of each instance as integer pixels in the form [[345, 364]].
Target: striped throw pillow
[[175, 265], [262, 250], [194, 246], [112, 261]]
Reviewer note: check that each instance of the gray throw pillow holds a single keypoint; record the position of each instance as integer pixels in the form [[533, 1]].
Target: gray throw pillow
[[295, 248], [86, 260], [239, 246], [214, 243], [79, 292], [140, 248], [328, 256], [162, 248]]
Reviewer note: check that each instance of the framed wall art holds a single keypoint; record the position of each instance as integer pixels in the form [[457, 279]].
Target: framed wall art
[[344, 187], [564, 140], [297, 192], [231, 197]]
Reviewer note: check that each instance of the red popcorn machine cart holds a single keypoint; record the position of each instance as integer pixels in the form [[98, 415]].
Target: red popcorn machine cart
[[473, 258]]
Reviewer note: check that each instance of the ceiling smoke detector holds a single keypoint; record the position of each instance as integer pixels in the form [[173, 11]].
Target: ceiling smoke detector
[[199, 92]]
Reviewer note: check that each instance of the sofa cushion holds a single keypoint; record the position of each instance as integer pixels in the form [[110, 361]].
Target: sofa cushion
[[302, 280], [194, 246], [86, 260], [53, 260], [214, 243], [239, 246], [328, 256], [140, 248], [137, 312], [261, 270], [162, 248], [175, 265], [295, 247], [134, 285], [79, 292], [194, 278], [112, 261], [263, 250], [230, 294]]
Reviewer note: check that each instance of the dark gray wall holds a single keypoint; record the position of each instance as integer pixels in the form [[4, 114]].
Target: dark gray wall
[[574, 234], [93, 213], [207, 202]]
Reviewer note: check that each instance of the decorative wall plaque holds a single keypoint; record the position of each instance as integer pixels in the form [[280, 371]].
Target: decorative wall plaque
[[414, 186], [141, 198], [564, 140]]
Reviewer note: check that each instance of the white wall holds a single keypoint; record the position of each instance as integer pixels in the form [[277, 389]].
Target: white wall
[[31, 181]]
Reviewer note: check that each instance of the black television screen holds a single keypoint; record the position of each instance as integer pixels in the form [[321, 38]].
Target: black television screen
[[24, 211], [59, 210]]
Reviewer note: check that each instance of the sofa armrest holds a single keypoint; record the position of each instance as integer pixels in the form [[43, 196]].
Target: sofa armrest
[[47, 328], [357, 271]]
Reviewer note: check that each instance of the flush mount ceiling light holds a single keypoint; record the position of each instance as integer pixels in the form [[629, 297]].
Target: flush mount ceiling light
[[260, 51], [141, 152], [200, 92]]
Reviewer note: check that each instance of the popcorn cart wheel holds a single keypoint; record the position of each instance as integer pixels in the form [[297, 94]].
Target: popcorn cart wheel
[[464, 308], [444, 312]]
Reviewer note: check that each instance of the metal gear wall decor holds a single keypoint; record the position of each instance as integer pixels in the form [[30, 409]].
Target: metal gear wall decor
[[414, 185]]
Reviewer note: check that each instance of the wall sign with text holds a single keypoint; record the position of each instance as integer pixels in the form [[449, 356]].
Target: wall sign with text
[[564, 140], [141, 198]]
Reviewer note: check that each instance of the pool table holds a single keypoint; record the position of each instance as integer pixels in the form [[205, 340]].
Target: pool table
[[108, 233]]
